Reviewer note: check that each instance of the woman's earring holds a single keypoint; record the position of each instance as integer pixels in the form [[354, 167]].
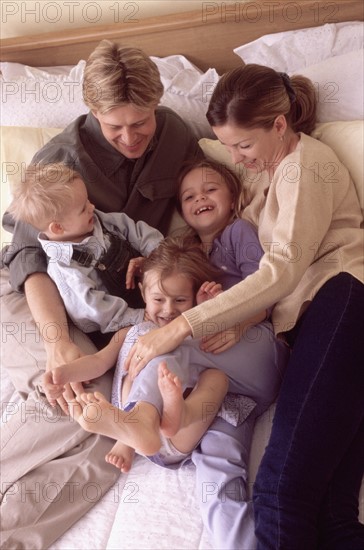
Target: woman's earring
[[281, 137]]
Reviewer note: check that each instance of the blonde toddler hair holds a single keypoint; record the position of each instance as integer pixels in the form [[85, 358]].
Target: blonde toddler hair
[[44, 194]]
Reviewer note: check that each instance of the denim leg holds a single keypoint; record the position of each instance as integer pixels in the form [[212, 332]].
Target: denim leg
[[339, 526], [318, 417]]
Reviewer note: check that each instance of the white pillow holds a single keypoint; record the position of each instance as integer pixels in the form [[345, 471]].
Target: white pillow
[[18, 146], [52, 97], [346, 138], [292, 50], [187, 91], [42, 97], [339, 83]]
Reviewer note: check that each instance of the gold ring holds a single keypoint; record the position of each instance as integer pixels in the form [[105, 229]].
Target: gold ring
[[138, 358]]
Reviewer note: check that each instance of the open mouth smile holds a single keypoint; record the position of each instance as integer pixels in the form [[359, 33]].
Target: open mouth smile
[[203, 209]]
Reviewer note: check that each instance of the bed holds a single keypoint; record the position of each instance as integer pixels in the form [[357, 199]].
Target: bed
[[150, 507]]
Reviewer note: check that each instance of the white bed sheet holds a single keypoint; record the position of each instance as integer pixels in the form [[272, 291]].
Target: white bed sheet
[[141, 512], [150, 508], [153, 508]]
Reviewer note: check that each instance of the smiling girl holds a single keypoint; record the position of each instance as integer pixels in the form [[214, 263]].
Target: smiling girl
[[249, 354]]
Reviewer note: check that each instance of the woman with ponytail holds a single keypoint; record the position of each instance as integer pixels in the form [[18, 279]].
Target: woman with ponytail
[[309, 225]]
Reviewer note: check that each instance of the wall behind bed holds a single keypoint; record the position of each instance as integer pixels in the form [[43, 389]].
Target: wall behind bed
[[24, 17]]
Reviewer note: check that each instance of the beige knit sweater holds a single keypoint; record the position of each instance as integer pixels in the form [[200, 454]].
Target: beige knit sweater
[[309, 226]]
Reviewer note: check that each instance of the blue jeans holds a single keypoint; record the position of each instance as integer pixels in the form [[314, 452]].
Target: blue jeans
[[307, 487]]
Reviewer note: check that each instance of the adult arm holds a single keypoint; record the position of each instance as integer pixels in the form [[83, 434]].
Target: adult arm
[[50, 317], [24, 256], [303, 227]]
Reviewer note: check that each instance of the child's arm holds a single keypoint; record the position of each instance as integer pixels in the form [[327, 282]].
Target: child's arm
[[84, 368]]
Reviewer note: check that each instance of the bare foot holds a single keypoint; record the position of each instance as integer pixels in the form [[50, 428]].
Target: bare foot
[[173, 404], [138, 428], [121, 456]]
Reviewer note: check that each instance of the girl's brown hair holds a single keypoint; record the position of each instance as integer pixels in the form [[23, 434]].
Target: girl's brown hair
[[253, 96], [180, 255]]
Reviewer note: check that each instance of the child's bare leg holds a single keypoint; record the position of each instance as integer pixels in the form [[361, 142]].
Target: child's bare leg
[[173, 403], [121, 456], [200, 409], [137, 428]]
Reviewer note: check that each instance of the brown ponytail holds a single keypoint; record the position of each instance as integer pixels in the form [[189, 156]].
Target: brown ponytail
[[253, 96]]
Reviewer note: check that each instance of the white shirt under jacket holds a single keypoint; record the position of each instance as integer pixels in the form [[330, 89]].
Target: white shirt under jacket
[[86, 299]]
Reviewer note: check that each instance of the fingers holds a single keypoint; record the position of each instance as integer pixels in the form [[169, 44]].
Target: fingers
[[59, 393], [208, 290], [77, 387], [129, 280], [136, 368], [219, 342], [135, 361], [52, 390], [63, 404], [216, 289], [132, 271], [68, 396]]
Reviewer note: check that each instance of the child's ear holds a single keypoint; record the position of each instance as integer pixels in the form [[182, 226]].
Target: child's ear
[[56, 229]]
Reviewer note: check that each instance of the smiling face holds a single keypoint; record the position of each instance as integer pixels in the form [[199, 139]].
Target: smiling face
[[206, 202], [128, 129], [165, 303], [257, 149], [78, 222]]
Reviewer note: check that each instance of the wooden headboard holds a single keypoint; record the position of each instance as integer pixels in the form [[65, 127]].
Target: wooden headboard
[[206, 37]]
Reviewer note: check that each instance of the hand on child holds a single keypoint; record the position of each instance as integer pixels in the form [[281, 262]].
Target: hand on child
[[58, 355], [156, 342], [52, 389], [221, 341], [207, 291], [55, 386]]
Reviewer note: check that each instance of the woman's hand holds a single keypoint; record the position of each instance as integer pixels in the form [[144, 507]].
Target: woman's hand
[[155, 343], [222, 341]]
